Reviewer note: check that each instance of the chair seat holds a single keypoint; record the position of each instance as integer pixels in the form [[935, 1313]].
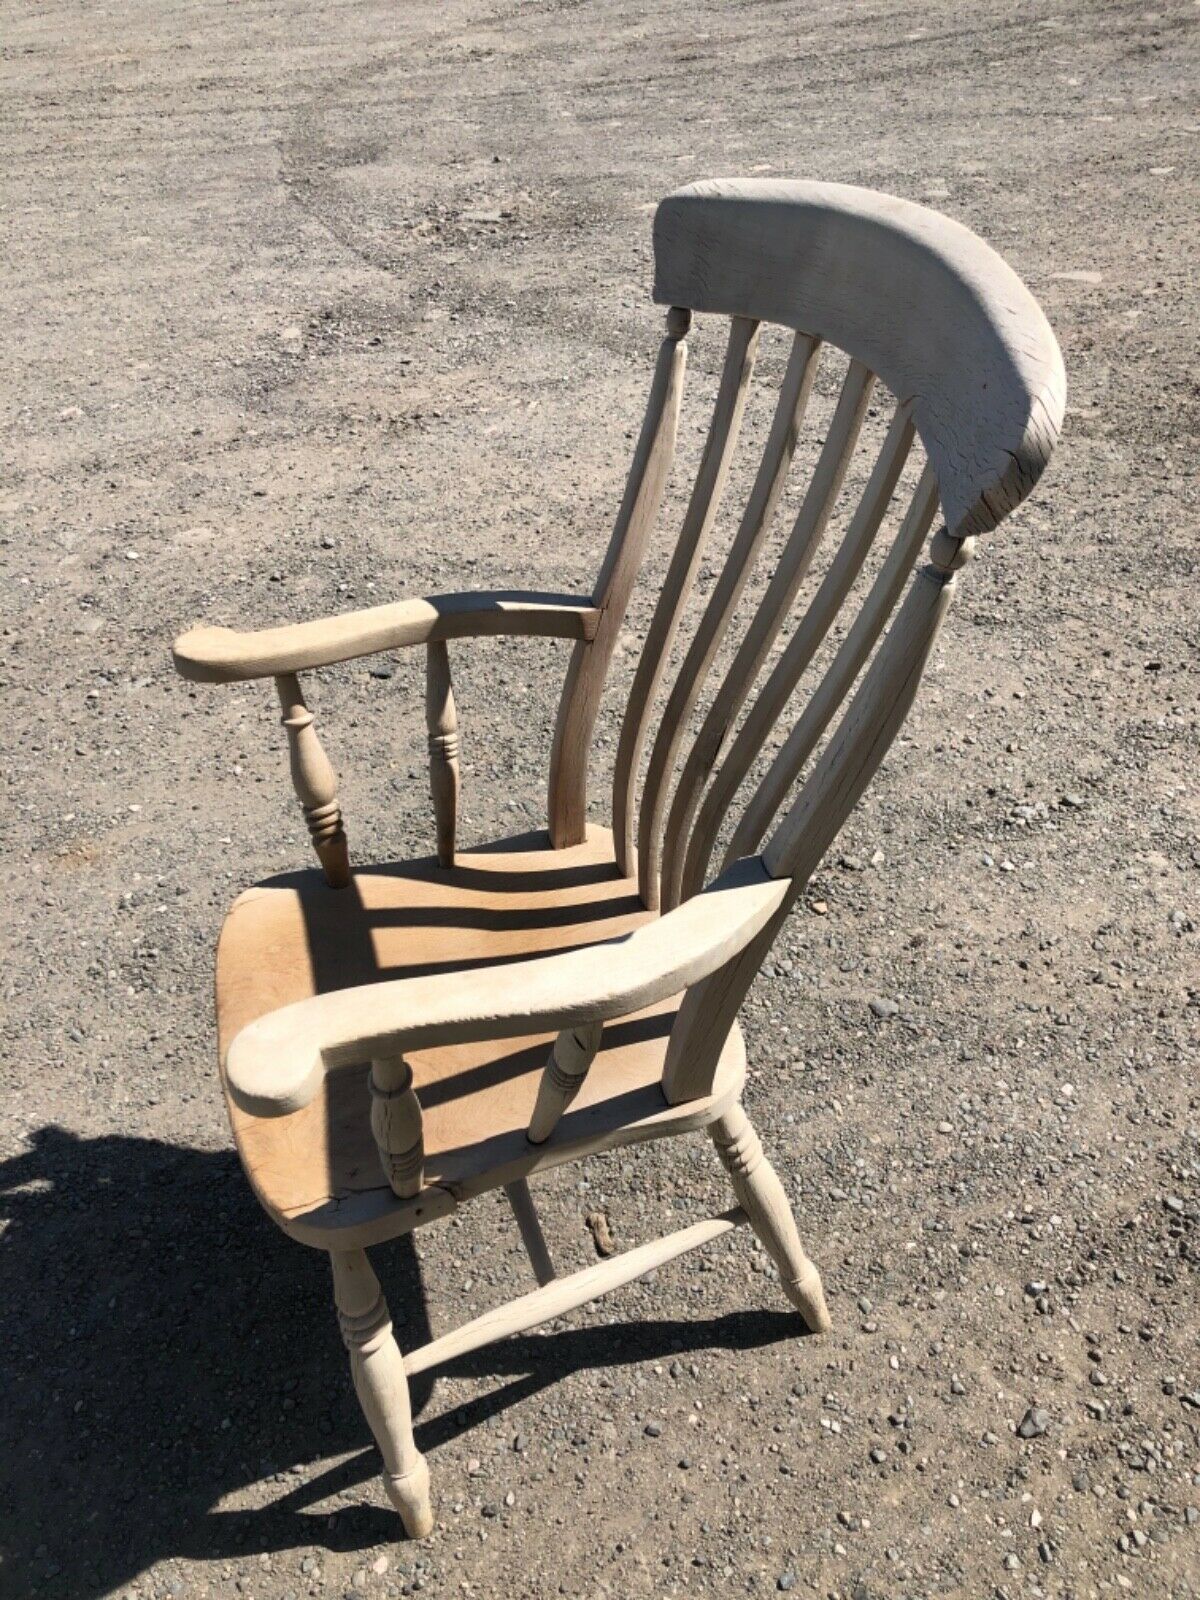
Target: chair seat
[[317, 1170]]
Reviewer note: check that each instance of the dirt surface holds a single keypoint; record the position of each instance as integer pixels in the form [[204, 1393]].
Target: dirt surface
[[309, 306]]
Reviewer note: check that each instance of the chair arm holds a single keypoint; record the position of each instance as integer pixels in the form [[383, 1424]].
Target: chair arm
[[277, 1063], [223, 655]]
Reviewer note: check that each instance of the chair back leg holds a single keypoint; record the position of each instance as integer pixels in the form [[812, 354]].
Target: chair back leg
[[761, 1195]]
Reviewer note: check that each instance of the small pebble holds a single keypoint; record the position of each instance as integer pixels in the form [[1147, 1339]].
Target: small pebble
[[1034, 1423]]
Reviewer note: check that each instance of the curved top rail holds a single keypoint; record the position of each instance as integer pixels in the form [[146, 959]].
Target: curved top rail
[[923, 301]]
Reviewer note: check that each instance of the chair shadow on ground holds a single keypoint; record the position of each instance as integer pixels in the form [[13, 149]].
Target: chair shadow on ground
[[166, 1348]]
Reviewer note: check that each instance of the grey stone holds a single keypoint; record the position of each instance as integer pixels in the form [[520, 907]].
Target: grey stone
[[1034, 1423]]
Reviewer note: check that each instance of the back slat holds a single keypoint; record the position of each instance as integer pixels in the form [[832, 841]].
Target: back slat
[[770, 615], [719, 447], [845, 667], [846, 766], [584, 686], [880, 705], [796, 659], [764, 497]]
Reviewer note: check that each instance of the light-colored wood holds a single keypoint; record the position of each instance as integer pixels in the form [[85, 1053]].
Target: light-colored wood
[[276, 1063], [573, 1053], [719, 446], [762, 1197], [529, 1224], [565, 1294], [814, 625], [314, 782], [396, 1124], [317, 1171], [770, 615], [853, 754], [760, 508], [382, 1388], [846, 665], [644, 489], [223, 655], [441, 719], [384, 1050], [846, 765], [921, 300]]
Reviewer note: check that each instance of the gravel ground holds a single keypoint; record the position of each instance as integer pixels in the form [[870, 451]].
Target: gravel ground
[[311, 306]]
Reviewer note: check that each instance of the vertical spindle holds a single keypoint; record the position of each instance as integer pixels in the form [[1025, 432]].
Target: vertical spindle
[[314, 781], [396, 1124], [441, 719]]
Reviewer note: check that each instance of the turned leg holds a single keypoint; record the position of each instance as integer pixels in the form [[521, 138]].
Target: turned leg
[[760, 1194], [382, 1387]]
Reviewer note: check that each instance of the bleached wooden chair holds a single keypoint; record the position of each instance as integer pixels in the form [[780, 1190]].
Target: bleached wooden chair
[[398, 1039]]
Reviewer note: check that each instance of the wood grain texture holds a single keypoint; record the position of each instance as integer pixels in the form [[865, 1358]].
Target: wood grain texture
[[377, 1368], [846, 765], [314, 782], [565, 1294], [441, 721], [921, 300], [223, 655], [768, 485], [761, 1195], [644, 489], [862, 739], [763, 628], [573, 1053], [317, 1171], [396, 1125], [848, 661], [276, 1064], [819, 616], [719, 446]]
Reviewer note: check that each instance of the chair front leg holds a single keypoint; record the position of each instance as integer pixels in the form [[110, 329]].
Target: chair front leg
[[761, 1196], [382, 1387]]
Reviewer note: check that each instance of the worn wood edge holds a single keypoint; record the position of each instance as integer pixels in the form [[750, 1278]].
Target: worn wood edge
[[963, 338], [561, 1295], [276, 1064], [224, 655]]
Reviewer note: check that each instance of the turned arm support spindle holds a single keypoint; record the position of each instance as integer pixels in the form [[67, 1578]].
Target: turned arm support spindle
[[314, 781], [396, 1124], [441, 719], [562, 1077]]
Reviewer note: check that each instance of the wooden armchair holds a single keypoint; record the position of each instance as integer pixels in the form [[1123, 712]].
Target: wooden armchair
[[399, 1038]]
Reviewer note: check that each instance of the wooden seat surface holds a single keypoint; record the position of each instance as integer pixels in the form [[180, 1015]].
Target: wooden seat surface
[[317, 1170]]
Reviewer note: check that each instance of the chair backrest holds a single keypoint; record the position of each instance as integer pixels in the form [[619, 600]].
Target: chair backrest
[[919, 305]]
